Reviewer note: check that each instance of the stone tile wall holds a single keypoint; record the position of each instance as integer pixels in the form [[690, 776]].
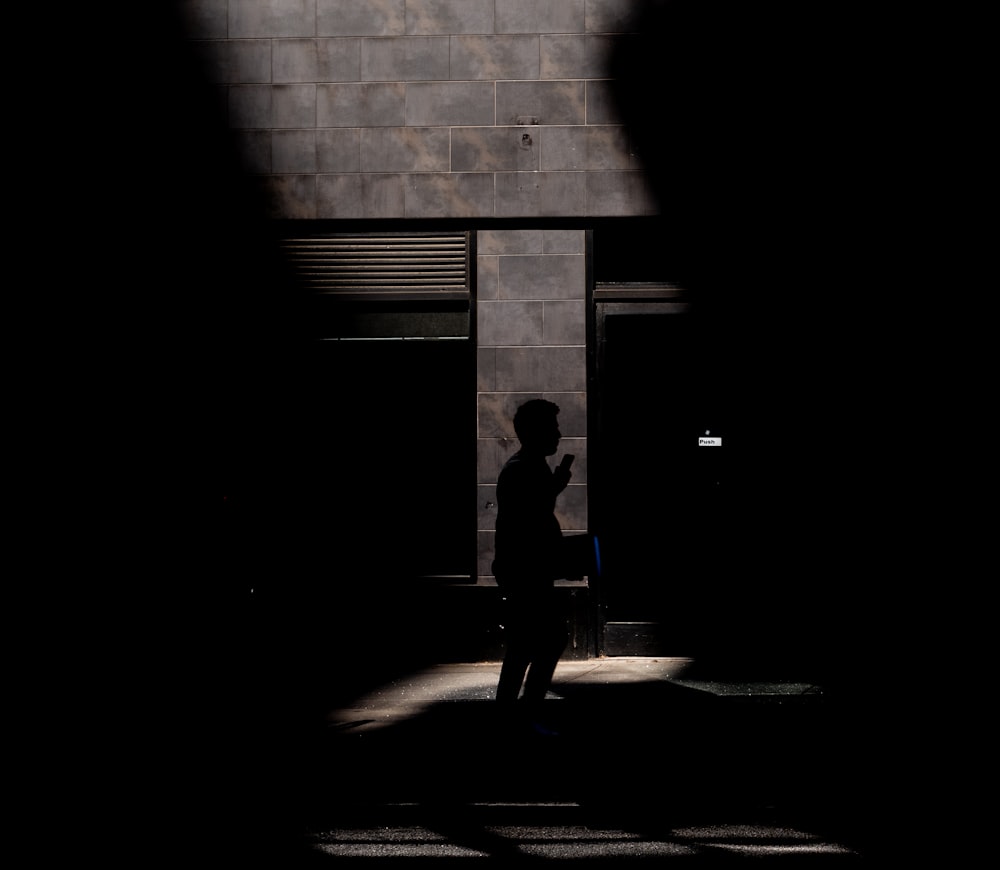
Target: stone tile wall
[[425, 109], [470, 109], [531, 323]]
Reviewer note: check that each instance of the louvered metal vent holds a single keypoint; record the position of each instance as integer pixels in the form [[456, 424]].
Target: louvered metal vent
[[389, 266]]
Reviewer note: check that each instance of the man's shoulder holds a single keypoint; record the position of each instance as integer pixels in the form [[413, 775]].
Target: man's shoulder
[[524, 472]]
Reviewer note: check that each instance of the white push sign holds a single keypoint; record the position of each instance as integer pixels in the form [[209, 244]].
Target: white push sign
[[705, 441]]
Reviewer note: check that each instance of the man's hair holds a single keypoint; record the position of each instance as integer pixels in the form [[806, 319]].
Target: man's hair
[[533, 415]]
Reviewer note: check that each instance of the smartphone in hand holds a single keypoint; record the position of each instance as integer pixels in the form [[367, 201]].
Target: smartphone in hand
[[567, 461]]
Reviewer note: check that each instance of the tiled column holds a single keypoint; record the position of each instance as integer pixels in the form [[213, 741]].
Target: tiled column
[[531, 292]]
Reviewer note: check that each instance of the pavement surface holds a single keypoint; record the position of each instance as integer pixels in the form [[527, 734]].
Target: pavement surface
[[639, 759]]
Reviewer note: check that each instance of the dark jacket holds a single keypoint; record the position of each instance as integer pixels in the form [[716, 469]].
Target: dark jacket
[[528, 535]]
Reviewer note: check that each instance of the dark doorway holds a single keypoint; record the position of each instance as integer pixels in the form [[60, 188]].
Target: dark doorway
[[660, 488]]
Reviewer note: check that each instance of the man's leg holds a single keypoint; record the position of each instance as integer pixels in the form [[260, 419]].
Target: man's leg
[[517, 655], [548, 646], [515, 664]]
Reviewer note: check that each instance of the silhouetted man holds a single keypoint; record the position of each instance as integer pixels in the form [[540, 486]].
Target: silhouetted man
[[528, 545]]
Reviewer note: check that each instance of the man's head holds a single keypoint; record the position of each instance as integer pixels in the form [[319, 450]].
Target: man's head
[[537, 427]]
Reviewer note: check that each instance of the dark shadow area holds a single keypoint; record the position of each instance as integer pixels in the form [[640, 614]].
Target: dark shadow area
[[781, 214], [392, 441], [743, 130], [204, 515], [721, 105], [200, 598], [642, 760]]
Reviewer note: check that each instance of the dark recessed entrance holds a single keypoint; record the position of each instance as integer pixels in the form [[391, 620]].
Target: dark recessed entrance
[[659, 448], [659, 487]]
